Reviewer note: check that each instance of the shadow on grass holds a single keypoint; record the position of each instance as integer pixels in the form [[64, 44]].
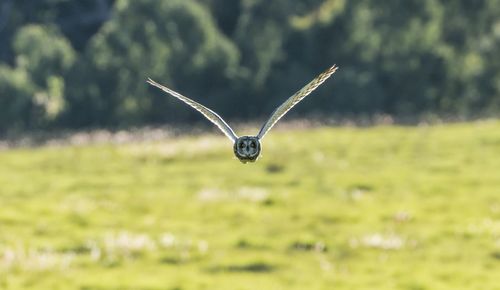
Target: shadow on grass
[[257, 267]]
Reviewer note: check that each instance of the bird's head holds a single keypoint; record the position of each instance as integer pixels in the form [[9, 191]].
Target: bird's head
[[247, 148]]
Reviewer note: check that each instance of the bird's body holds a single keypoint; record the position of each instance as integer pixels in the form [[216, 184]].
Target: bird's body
[[248, 148]]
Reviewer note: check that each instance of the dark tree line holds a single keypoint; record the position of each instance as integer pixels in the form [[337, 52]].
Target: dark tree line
[[73, 64]]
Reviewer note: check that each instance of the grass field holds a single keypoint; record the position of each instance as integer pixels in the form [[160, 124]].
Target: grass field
[[385, 207]]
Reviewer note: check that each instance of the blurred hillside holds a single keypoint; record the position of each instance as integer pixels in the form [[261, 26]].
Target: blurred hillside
[[74, 64]]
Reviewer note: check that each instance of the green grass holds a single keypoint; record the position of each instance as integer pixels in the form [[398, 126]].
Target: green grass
[[386, 207]]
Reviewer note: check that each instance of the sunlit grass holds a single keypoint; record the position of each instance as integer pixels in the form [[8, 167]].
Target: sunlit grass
[[330, 208]]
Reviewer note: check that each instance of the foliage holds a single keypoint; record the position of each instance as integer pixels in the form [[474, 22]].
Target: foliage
[[342, 208], [173, 41], [16, 94], [243, 57], [32, 92]]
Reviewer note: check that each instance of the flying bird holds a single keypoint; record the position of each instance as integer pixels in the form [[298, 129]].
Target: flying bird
[[248, 148]]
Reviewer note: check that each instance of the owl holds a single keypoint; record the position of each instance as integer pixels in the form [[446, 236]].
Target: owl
[[248, 148]]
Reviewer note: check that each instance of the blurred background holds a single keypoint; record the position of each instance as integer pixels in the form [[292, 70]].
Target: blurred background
[[77, 64], [123, 201]]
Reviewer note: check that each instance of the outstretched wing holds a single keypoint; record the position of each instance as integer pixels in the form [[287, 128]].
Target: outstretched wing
[[293, 100], [209, 114]]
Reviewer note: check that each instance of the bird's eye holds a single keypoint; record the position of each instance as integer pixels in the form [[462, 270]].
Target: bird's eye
[[242, 145], [253, 145]]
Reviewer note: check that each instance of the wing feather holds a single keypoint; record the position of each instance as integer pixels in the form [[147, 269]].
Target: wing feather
[[293, 100], [209, 114]]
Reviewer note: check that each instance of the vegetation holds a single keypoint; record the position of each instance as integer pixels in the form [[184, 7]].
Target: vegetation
[[330, 208], [72, 64]]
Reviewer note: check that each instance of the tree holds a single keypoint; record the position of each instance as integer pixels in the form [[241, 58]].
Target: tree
[[84, 63], [32, 91], [77, 20], [175, 42], [16, 99]]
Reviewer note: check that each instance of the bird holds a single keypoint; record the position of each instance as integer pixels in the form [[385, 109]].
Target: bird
[[248, 148]]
